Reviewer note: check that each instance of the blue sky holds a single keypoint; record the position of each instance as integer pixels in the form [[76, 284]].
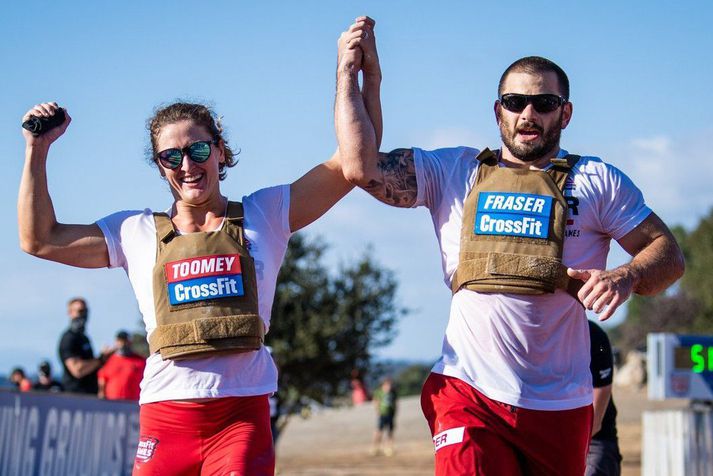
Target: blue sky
[[640, 75]]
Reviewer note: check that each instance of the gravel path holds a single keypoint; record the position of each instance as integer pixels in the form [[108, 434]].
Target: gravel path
[[336, 442]]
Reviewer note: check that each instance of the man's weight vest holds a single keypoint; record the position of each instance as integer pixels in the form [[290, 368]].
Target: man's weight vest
[[513, 230], [205, 291]]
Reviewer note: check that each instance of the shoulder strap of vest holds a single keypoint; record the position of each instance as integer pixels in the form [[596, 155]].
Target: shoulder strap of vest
[[234, 212], [566, 162], [487, 157], [234, 220], [488, 164], [164, 227], [561, 167]]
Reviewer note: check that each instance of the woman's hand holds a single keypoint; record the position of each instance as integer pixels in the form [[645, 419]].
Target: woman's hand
[[46, 109]]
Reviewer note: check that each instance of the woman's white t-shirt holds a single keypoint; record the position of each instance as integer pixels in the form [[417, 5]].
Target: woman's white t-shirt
[[131, 240]]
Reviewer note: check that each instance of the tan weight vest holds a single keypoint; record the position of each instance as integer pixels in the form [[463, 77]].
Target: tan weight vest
[[201, 309], [490, 262]]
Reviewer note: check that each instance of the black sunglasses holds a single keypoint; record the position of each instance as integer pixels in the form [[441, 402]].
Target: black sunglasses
[[543, 103], [199, 152]]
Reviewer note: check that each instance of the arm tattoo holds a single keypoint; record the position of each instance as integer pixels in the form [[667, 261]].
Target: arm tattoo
[[398, 185]]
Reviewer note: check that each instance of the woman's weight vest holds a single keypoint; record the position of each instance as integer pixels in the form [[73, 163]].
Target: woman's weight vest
[[205, 291]]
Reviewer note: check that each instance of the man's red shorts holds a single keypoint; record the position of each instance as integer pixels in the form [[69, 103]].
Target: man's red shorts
[[475, 435], [221, 436]]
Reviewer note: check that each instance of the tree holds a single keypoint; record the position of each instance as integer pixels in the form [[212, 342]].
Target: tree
[[409, 380], [324, 326], [675, 313], [698, 279]]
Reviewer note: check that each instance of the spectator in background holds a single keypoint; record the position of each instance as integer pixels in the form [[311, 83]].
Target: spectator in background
[[360, 394], [275, 406], [385, 401], [274, 403], [18, 378], [45, 381], [604, 458], [76, 354], [120, 377]]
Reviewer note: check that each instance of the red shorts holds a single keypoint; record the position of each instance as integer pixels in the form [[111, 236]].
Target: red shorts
[[475, 435], [222, 436]]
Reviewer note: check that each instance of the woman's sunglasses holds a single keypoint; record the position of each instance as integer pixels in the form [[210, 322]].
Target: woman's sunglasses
[[199, 152], [543, 103]]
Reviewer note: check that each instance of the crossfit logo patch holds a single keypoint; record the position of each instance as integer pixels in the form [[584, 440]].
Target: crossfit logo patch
[[204, 277], [146, 449], [449, 437], [513, 214]]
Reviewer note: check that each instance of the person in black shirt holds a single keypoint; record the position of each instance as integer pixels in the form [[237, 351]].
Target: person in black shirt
[[45, 381], [76, 354], [604, 458]]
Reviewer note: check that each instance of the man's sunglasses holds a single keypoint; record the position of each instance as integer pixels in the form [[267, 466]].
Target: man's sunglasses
[[199, 152], [543, 103]]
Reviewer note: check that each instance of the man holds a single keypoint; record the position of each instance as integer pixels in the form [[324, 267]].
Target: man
[[45, 382], [76, 354], [604, 458], [20, 380], [524, 240], [385, 401], [120, 377]]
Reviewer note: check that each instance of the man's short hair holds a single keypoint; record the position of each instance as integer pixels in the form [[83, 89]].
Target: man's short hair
[[77, 299], [122, 335], [537, 65]]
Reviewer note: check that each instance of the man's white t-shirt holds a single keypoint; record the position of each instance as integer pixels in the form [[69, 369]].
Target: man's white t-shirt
[[131, 239], [523, 350]]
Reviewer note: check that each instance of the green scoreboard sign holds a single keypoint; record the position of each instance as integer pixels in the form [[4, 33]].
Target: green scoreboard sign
[[680, 366]]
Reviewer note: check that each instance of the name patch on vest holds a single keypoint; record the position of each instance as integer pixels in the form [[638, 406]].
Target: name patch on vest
[[513, 214], [204, 277]]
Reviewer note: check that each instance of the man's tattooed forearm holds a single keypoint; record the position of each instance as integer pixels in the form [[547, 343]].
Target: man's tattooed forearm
[[398, 185]]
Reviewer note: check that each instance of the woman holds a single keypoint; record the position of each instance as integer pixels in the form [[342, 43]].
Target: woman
[[204, 276], [206, 383]]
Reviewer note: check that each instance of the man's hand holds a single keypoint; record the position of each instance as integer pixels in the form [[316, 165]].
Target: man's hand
[[603, 289], [349, 51], [657, 262], [47, 109]]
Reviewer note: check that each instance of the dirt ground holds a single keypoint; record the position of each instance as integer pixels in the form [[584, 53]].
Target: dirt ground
[[336, 442]]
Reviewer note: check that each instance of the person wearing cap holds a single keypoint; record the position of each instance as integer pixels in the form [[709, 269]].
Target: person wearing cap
[[524, 232], [76, 353], [120, 377], [20, 380], [45, 381]]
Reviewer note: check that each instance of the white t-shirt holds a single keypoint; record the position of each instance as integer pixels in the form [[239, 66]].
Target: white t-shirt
[[131, 240], [524, 350]]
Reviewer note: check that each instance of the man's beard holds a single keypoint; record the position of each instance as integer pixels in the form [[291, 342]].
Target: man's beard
[[528, 152]]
